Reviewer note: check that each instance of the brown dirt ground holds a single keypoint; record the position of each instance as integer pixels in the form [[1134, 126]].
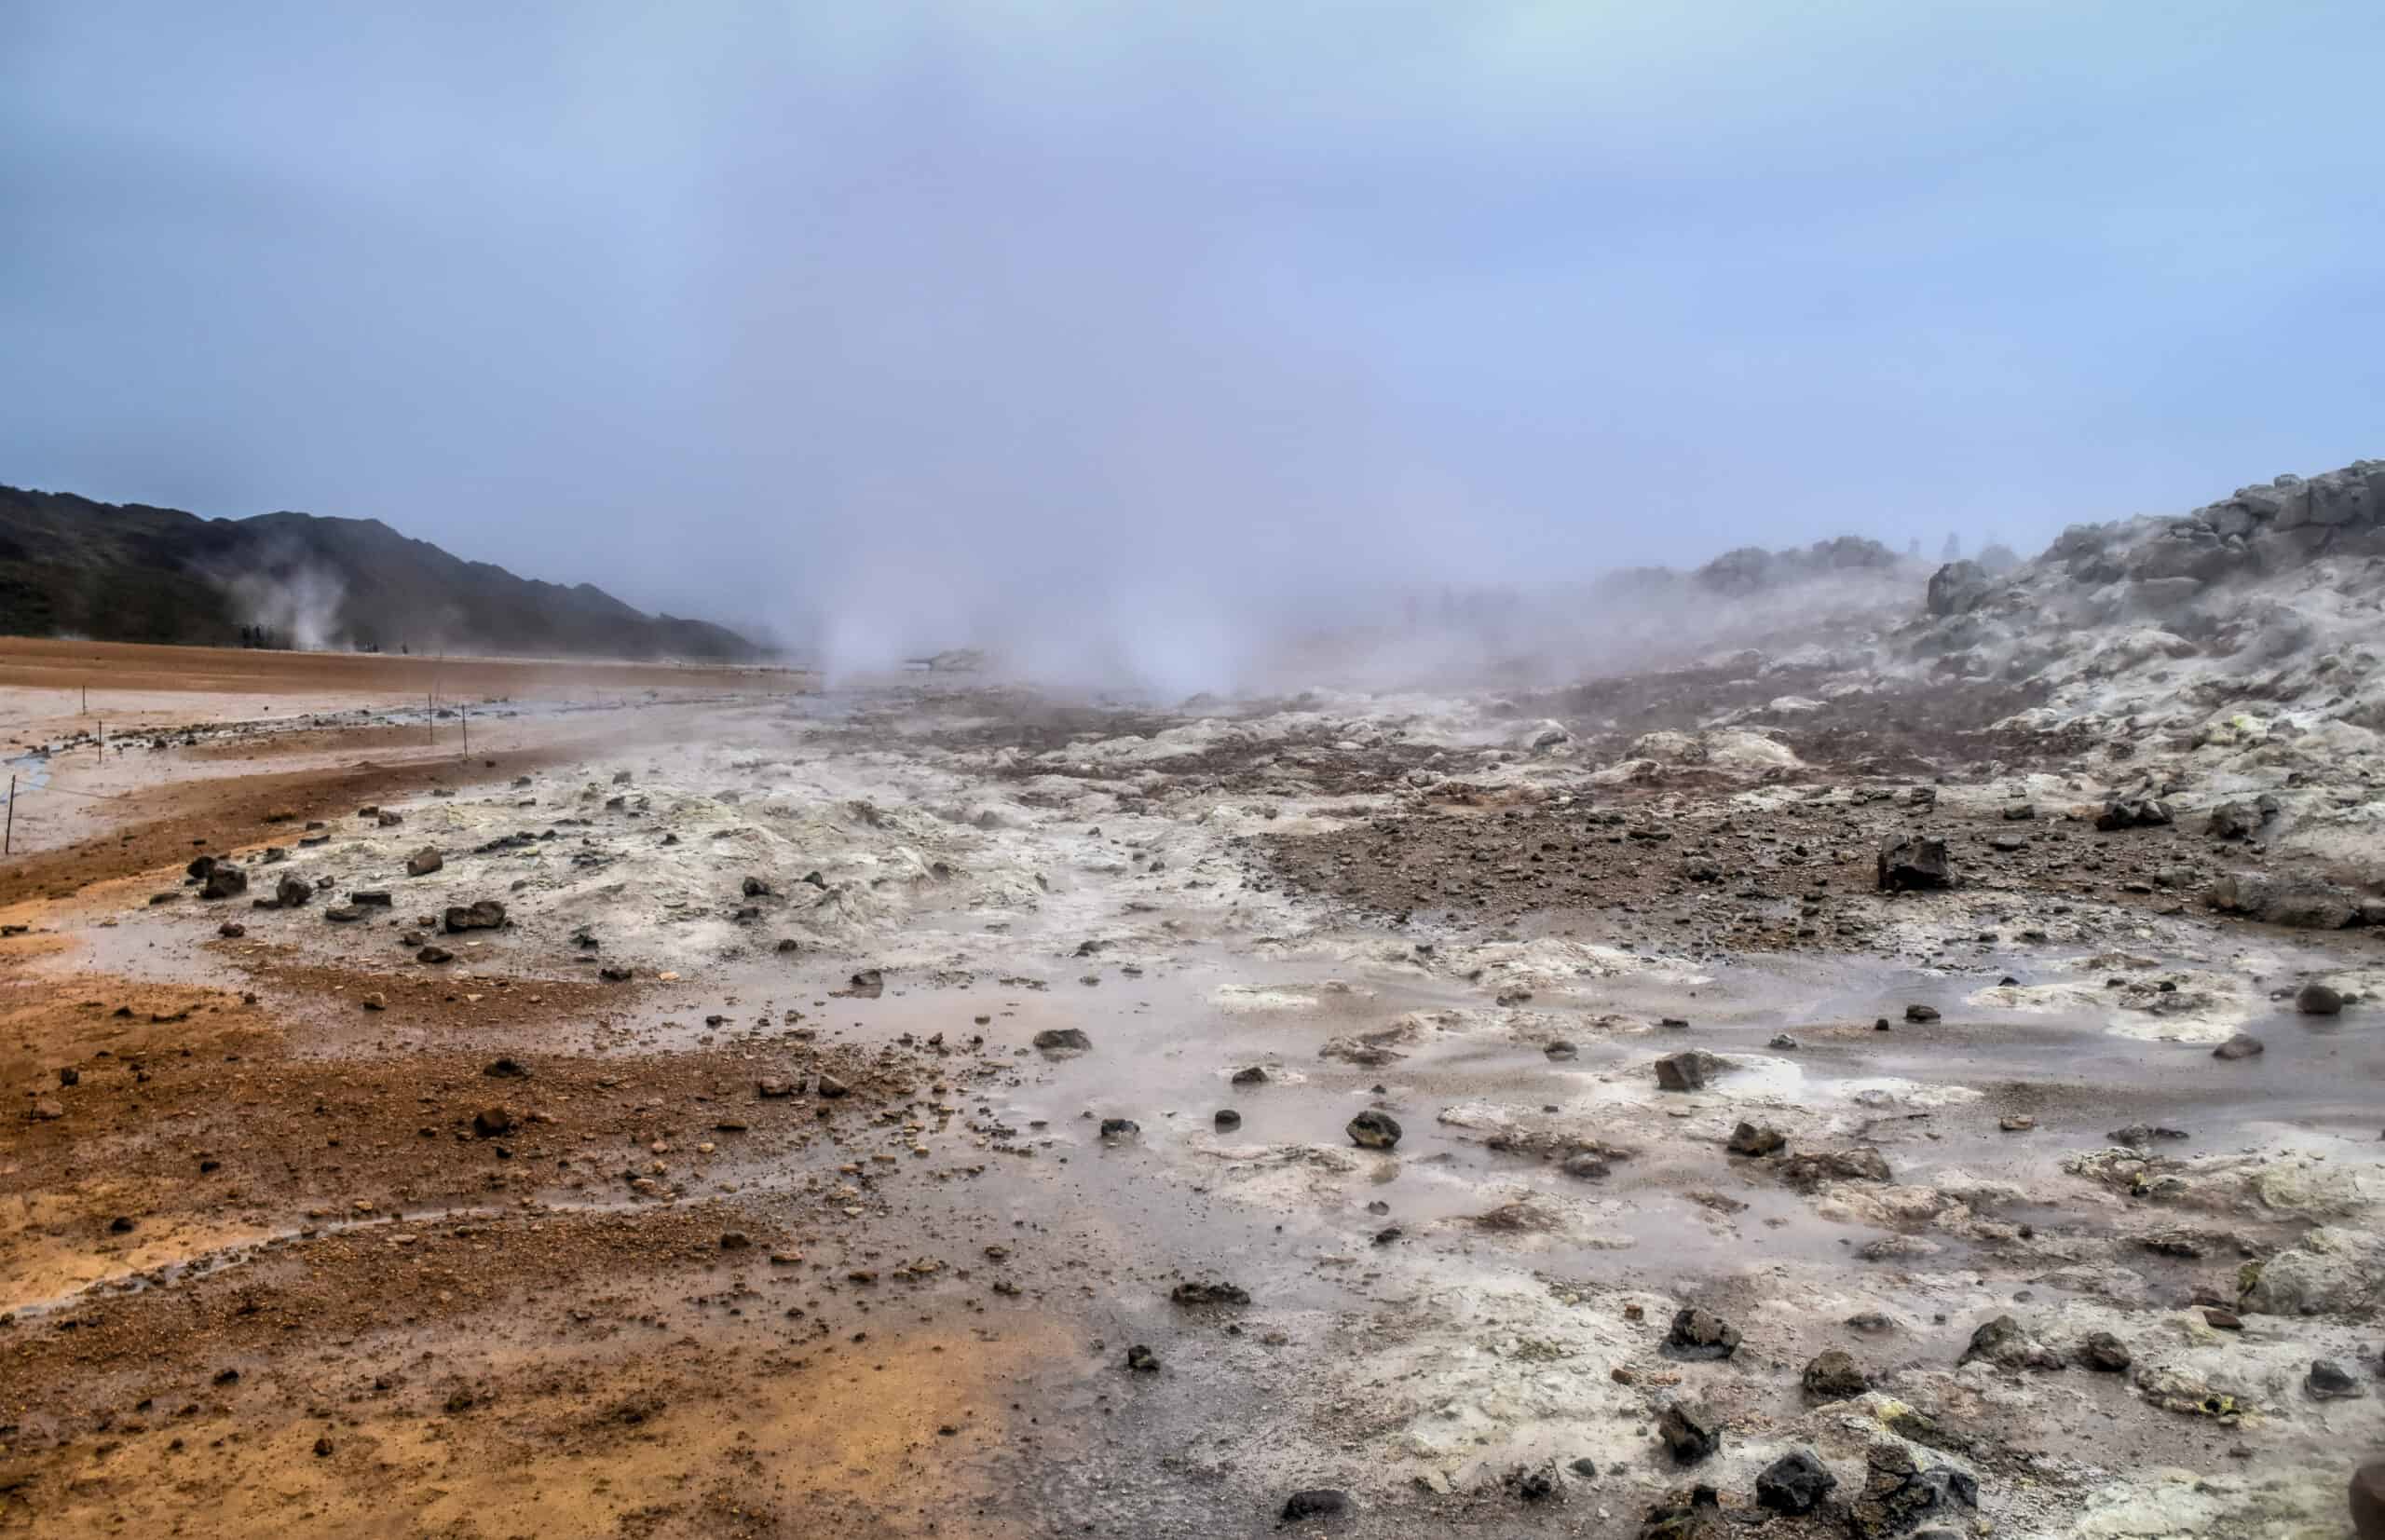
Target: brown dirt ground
[[132, 668]]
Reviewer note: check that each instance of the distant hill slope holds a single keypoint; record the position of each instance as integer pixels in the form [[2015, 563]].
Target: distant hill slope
[[132, 573]]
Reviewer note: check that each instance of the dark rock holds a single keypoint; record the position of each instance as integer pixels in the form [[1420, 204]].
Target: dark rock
[[1063, 1040], [225, 880], [1316, 1503], [2234, 821], [1793, 1483], [434, 954], [1749, 1140], [830, 1087], [504, 1069], [1142, 1360], [868, 984], [486, 913], [1227, 1117], [1118, 1130], [754, 886], [490, 1121], [370, 899], [2302, 903], [1701, 1334], [735, 1240], [1958, 588], [1690, 1430], [1898, 1495], [2136, 1136], [774, 1090], [1813, 1168], [2368, 1501], [2104, 1353], [1687, 1071], [2001, 1341], [1835, 1376], [1196, 1295], [2316, 999], [2242, 1045], [2328, 1381], [231, 929], [200, 867], [343, 914], [425, 861], [1373, 1130], [1911, 860], [1921, 1012], [1562, 1051], [2132, 812], [1254, 1075]]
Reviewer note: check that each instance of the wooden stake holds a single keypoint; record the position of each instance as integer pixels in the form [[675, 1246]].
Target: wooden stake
[[9, 838]]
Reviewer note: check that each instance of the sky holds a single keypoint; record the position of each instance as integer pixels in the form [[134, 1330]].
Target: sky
[[881, 323]]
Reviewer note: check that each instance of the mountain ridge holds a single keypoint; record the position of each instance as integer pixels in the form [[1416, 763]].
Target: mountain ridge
[[135, 572]]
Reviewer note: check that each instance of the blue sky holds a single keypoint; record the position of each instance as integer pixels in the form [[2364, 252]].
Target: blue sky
[[751, 309]]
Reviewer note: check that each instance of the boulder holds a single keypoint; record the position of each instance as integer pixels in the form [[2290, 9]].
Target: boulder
[[1688, 1070], [2104, 1353], [425, 861], [1373, 1130], [486, 913], [1701, 1334], [224, 880], [2317, 1000], [1958, 588], [1750, 1139], [1898, 1495], [1912, 862], [1063, 1040], [2137, 812], [2243, 1046], [1691, 1431], [1812, 1169], [1833, 1375], [1793, 1484]]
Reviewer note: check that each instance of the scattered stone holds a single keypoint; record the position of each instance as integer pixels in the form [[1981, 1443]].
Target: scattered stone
[[1373, 1130], [1921, 1012], [434, 954], [735, 1240], [1226, 1117], [1196, 1295], [2132, 812], [225, 880], [1063, 1040], [829, 1087], [486, 913], [2017, 1123], [231, 929], [2136, 1136], [1142, 1360], [1690, 1430], [1749, 1140], [1254, 1075], [1833, 1375], [2317, 1000], [1701, 1334], [2104, 1353], [1782, 1041], [2328, 1381], [1909, 862], [1561, 1050], [1687, 1071], [1316, 1503], [2222, 1320], [1119, 1130], [1794, 1483], [1898, 1495], [1585, 1165], [2243, 1046], [504, 1069], [2001, 1341], [490, 1121], [1812, 1169], [425, 861]]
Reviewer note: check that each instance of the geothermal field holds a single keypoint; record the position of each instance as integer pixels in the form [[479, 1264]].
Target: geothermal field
[[1907, 1062]]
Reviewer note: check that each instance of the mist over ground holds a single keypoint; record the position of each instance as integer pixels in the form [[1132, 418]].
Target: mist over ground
[[1142, 343]]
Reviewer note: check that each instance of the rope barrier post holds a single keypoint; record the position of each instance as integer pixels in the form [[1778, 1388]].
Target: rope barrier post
[[467, 710], [9, 838]]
